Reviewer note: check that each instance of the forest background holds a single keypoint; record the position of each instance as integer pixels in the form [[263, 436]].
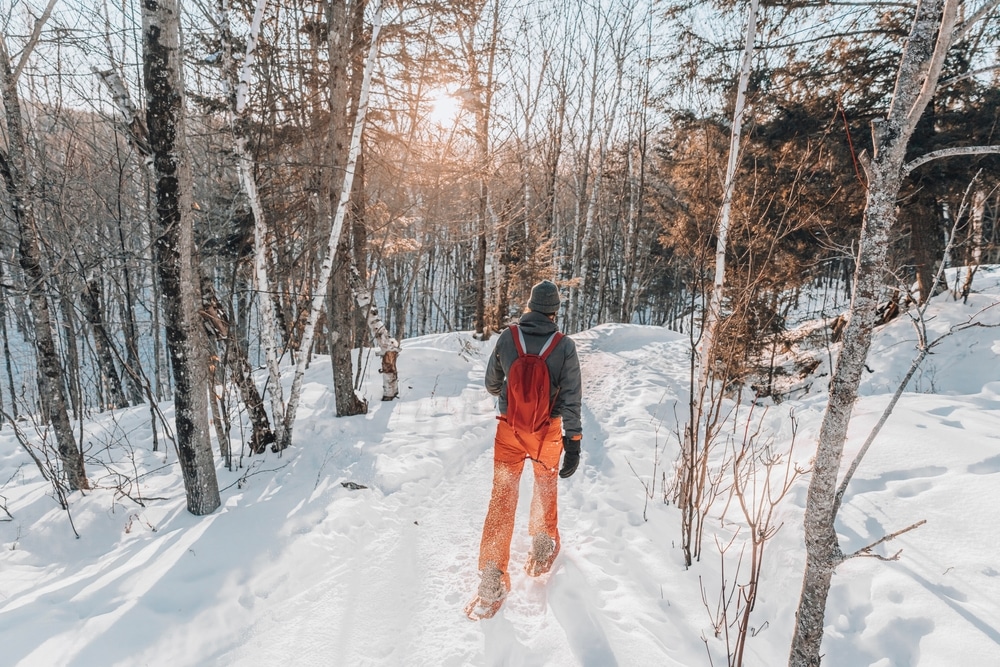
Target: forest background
[[232, 185], [503, 143]]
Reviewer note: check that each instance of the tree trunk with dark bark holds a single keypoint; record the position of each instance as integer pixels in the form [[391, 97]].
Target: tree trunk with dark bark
[[6, 346], [346, 49], [173, 246], [482, 86], [232, 355], [13, 168], [114, 397], [321, 288], [340, 315]]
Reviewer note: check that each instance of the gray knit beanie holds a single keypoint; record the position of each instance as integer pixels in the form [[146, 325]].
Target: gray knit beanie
[[544, 298]]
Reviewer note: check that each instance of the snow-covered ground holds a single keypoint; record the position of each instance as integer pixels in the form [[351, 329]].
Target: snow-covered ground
[[297, 569]]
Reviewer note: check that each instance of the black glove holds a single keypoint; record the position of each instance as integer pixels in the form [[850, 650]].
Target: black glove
[[571, 456]]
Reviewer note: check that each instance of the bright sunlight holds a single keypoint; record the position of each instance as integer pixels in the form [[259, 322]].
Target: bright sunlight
[[444, 108]]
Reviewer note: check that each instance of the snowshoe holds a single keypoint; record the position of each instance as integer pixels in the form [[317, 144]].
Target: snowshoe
[[479, 609], [490, 597], [543, 553]]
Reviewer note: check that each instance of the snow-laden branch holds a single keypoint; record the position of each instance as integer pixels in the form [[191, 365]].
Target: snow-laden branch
[[948, 152]]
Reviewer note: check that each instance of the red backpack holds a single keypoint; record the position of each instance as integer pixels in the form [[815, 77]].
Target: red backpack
[[529, 402]]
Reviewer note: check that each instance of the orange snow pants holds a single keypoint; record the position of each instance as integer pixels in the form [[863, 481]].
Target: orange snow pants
[[509, 455]]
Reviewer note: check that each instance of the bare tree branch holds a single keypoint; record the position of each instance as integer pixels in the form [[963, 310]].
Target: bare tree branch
[[949, 15], [968, 75], [36, 32], [961, 30], [948, 152], [924, 349], [866, 552]]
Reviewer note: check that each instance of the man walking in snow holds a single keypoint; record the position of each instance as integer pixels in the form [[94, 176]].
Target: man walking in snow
[[535, 371]]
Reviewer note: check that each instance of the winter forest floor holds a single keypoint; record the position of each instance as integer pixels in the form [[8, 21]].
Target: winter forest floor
[[297, 569]]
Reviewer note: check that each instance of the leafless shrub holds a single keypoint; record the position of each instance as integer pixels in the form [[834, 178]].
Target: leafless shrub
[[650, 486], [761, 478], [47, 465]]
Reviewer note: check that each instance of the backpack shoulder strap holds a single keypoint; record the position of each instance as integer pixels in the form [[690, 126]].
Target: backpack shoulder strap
[[550, 345], [518, 337]]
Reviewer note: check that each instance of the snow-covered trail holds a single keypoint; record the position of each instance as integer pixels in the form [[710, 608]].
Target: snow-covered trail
[[412, 540], [297, 568]]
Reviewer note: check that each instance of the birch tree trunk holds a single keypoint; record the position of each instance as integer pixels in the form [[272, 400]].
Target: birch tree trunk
[[265, 303], [714, 313], [577, 265], [320, 289], [236, 353], [975, 241], [920, 66], [13, 168], [633, 274], [173, 246], [388, 346], [581, 318], [237, 356], [692, 471]]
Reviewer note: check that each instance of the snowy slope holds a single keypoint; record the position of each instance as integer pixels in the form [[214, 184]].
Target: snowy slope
[[297, 569]]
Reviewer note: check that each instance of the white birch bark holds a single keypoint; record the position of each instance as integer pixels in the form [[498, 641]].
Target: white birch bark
[[595, 192], [714, 313], [692, 471], [245, 162], [388, 346], [582, 181], [326, 268], [976, 240]]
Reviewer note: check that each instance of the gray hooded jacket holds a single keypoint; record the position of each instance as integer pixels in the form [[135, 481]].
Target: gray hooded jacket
[[564, 368]]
